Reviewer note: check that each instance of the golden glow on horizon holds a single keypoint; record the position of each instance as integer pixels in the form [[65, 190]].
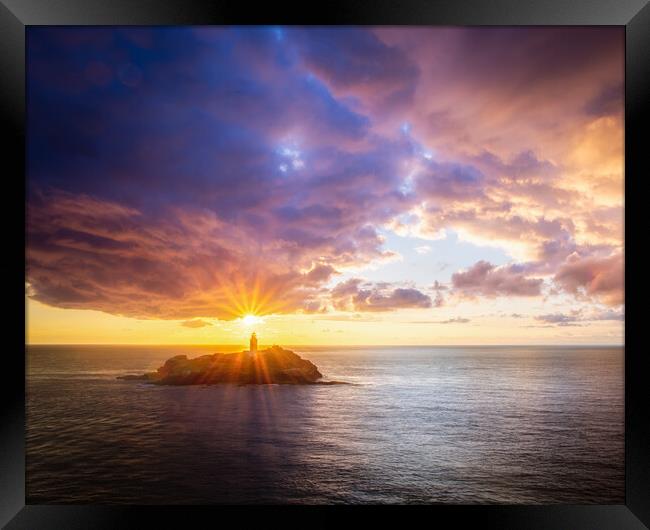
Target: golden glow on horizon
[[50, 325]]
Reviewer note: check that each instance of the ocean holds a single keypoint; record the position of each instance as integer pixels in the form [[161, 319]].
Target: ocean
[[460, 425]]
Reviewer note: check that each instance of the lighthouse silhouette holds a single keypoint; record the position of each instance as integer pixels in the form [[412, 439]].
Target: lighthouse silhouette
[[253, 348]]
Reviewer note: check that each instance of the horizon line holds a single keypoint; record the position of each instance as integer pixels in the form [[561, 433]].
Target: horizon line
[[323, 345]]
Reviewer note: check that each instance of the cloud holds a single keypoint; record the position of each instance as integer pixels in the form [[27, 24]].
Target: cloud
[[423, 249], [577, 64], [321, 273], [437, 286], [350, 317], [84, 253], [357, 295], [457, 320], [450, 181], [166, 200], [578, 315], [439, 300], [499, 176], [200, 172], [485, 279], [195, 323], [355, 62], [606, 102], [608, 314], [593, 276], [558, 318], [396, 299]]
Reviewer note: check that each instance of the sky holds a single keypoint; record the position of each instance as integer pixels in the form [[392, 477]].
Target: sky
[[357, 185]]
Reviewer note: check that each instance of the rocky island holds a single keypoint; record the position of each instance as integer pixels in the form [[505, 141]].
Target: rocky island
[[274, 365]]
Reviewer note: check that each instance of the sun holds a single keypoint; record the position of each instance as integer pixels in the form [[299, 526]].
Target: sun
[[251, 320]]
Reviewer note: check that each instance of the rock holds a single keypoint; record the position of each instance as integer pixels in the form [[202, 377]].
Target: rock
[[143, 377], [274, 365]]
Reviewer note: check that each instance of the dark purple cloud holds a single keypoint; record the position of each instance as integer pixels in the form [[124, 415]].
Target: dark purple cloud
[[355, 61], [450, 182]]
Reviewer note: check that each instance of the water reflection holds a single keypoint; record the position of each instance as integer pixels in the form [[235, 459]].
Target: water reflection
[[541, 425]]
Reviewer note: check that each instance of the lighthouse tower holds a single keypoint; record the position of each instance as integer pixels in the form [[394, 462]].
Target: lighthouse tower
[[253, 348]]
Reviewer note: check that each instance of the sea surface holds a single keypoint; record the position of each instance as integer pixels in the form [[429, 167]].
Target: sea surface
[[420, 425]]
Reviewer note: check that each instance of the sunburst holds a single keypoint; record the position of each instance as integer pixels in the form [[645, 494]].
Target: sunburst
[[249, 298], [251, 320]]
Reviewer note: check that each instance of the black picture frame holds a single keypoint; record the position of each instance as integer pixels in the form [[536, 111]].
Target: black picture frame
[[15, 15]]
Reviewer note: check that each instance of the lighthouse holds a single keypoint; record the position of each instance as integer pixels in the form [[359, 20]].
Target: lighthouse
[[253, 348]]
